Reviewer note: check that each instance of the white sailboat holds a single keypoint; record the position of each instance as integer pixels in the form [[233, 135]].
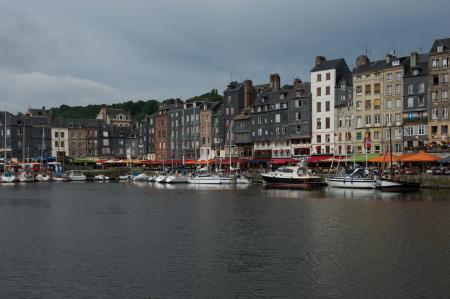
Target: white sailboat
[[7, 176]]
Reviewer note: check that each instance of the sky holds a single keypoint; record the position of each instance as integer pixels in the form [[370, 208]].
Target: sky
[[79, 52]]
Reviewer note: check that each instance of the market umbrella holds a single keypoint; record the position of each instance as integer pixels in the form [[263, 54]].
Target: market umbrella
[[419, 157], [385, 158]]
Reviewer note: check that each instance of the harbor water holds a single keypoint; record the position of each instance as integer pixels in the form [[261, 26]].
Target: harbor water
[[130, 240]]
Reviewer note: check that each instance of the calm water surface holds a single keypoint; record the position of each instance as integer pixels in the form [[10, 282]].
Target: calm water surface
[[88, 240]]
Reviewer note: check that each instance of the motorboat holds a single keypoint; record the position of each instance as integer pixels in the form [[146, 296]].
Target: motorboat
[[77, 176], [161, 178], [292, 177], [360, 178], [142, 177], [127, 177], [176, 178], [43, 177], [61, 178], [206, 179], [101, 177], [8, 177], [26, 177], [241, 179]]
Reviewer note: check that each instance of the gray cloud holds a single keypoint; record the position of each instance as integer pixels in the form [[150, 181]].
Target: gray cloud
[[70, 52]]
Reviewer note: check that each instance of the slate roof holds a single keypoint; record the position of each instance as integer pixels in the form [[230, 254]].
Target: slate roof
[[443, 41], [328, 65]]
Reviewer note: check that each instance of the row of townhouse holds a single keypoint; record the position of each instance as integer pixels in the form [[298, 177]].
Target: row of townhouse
[[37, 134]]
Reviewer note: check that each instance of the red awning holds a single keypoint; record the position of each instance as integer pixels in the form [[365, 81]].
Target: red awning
[[315, 159], [282, 161]]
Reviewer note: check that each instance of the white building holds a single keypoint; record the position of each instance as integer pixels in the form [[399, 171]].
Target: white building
[[324, 77], [60, 142]]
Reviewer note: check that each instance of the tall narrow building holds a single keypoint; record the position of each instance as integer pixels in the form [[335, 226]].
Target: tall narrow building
[[325, 77], [438, 92]]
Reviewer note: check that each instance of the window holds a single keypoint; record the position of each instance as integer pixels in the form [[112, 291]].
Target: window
[[368, 105], [389, 104], [398, 118], [410, 89], [421, 101], [319, 107], [389, 89], [62, 143], [444, 95], [445, 79], [319, 123], [376, 135], [368, 120], [319, 92], [440, 48], [398, 88], [398, 103], [410, 102], [319, 138], [398, 147], [319, 77], [298, 115], [444, 112], [389, 76], [358, 121], [359, 105], [444, 130], [377, 119], [435, 63], [434, 113], [422, 87], [421, 130], [56, 144], [343, 87], [277, 118], [377, 104], [327, 90], [298, 129], [327, 138], [368, 89], [398, 75], [327, 123], [358, 136], [298, 103], [328, 76], [445, 62], [327, 106], [434, 96], [435, 80], [388, 119], [376, 88], [56, 135], [358, 90]]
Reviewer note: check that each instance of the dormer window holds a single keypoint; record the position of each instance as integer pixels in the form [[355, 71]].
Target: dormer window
[[121, 117], [281, 96], [395, 62], [440, 48], [415, 72]]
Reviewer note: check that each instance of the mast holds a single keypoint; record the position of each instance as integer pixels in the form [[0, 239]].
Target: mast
[[390, 150], [4, 153], [42, 146]]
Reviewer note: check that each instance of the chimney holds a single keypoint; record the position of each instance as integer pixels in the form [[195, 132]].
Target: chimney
[[413, 59], [248, 93], [389, 58], [362, 60], [297, 83], [320, 60], [275, 82]]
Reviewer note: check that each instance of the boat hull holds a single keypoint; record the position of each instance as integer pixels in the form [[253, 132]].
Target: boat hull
[[292, 183], [355, 183], [174, 179], [7, 179], [396, 186]]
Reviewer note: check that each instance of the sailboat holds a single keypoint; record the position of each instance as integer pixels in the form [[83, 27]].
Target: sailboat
[[392, 182], [43, 177], [7, 176], [358, 178], [60, 176]]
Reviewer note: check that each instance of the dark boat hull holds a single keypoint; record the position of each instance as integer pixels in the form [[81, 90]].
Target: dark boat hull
[[396, 186], [292, 183]]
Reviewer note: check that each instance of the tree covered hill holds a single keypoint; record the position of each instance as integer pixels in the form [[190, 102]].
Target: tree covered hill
[[137, 109]]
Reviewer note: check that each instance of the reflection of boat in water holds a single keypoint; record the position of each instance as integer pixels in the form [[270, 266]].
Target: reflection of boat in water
[[359, 179], [350, 192], [292, 177]]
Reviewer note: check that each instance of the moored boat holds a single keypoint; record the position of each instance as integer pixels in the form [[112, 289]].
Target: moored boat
[[176, 178], [101, 177], [142, 177], [205, 179], [26, 177], [292, 177], [360, 178], [393, 185], [77, 175], [8, 177], [41, 177]]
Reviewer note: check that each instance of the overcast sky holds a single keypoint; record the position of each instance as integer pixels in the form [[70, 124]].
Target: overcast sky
[[73, 52]]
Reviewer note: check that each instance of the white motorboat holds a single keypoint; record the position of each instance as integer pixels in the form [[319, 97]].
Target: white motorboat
[[142, 177], [292, 177], [241, 179], [205, 179], [77, 176], [176, 178], [127, 177], [161, 178], [360, 178], [8, 177], [26, 177], [101, 177], [43, 177]]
